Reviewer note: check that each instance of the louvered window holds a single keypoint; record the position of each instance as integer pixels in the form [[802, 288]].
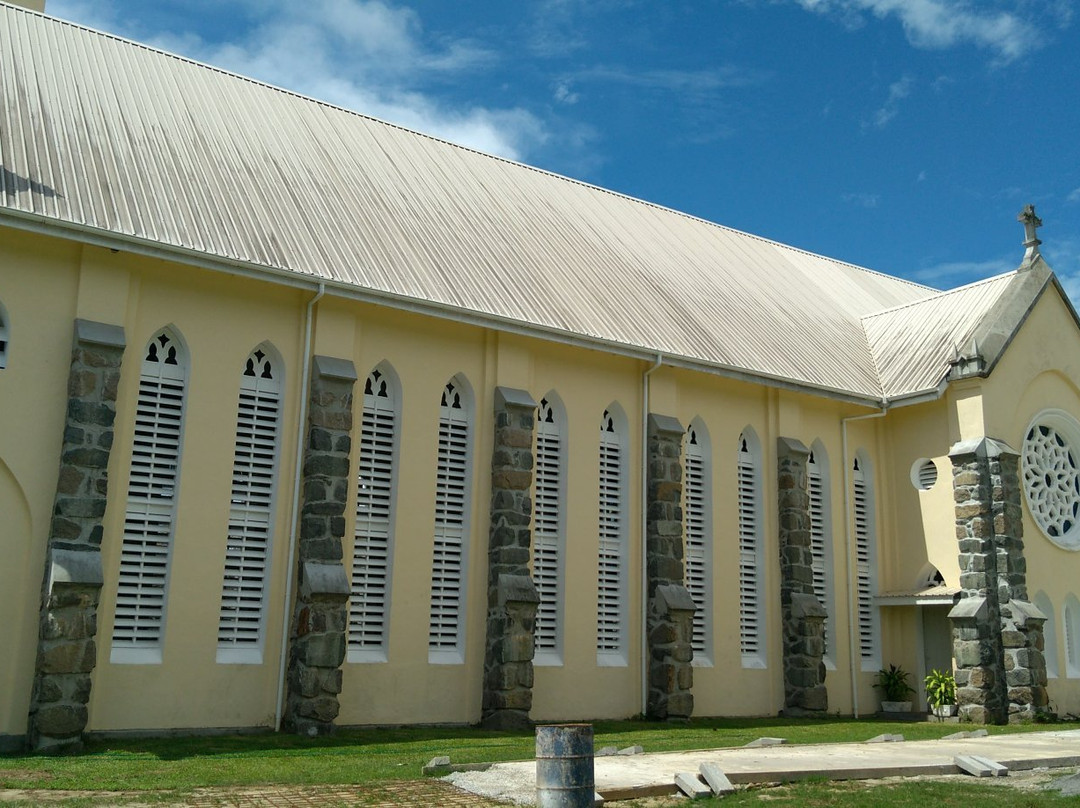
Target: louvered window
[[146, 549], [5, 332], [698, 536], [820, 538], [446, 626], [254, 478], [369, 608], [750, 555], [610, 628], [864, 566], [547, 532]]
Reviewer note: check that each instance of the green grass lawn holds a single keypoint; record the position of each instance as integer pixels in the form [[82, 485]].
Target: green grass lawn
[[371, 756]]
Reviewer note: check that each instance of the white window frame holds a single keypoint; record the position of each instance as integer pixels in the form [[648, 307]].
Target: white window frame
[[697, 513], [1070, 611], [819, 498], [867, 621], [253, 499], [455, 416], [5, 337], [1050, 642], [378, 451], [549, 529], [163, 472], [613, 531], [753, 649]]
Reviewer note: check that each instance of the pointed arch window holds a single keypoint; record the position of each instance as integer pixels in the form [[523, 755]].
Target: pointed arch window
[[150, 512], [549, 530], [818, 495], [865, 562], [1071, 624], [446, 627], [698, 516], [5, 336], [1050, 644], [612, 578], [369, 606], [751, 553], [254, 480]]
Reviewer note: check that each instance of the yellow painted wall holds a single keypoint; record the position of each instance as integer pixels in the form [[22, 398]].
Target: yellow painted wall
[[33, 399], [1043, 364], [221, 318]]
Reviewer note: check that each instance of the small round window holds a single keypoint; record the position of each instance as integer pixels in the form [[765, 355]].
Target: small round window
[[924, 474], [1051, 472]]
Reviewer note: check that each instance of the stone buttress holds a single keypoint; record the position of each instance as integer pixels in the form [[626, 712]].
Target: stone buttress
[[670, 615], [802, 614], [512, 596], [320, 617], [997, 633], [73, 576]]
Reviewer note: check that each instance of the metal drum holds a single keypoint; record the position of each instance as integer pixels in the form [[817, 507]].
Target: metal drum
[[564, 766]]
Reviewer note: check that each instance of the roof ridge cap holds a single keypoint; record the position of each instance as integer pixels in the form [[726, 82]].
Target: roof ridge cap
[[940, 294]]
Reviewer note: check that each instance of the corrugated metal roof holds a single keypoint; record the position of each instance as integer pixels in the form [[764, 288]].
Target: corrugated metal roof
[[913, 344], [100, 133]]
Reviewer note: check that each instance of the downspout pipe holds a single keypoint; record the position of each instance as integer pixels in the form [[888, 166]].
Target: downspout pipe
[[294, 509], [849, 526], [645, 531]]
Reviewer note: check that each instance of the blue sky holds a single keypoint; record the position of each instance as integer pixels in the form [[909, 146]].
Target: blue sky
[[901, 135]]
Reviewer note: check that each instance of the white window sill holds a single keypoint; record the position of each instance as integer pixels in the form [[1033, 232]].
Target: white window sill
[[227, 655], [610, 659], [753, 662], [366, 656], [548, 659], [135, 656], [444, 656]]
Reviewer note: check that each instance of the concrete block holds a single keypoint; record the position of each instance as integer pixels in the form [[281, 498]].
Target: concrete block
[[606, 751], [510, 397], [717, 780], [979, 766], [691, 786], [631, 750], [765, 742], [75, 567], [324, 579], [99, 333], [334, 368], [886, 738]]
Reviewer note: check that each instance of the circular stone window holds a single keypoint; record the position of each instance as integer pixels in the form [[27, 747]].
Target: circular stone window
[[924, 474], [1052, 477]]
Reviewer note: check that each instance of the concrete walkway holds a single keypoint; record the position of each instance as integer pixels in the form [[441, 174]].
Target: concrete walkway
[[627, 777]]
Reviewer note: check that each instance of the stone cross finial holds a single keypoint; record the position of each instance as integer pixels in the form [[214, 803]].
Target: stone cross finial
[[1031, 223]]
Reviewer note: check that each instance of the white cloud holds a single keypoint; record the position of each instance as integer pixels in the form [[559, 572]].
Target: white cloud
[[862, 200], [1074, 196], [898, 91], [937, 24], [366, 55], [564, 95]]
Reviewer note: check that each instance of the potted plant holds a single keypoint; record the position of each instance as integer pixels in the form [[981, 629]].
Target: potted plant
[[895, 689], [941, 693]]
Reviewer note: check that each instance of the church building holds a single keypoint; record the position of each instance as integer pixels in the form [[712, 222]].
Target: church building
[[312, 421]]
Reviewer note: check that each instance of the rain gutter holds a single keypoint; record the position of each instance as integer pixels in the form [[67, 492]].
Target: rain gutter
[[294, 509], [645, 531]]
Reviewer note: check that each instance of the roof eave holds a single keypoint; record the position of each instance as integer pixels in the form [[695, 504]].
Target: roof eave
[[111, 240]]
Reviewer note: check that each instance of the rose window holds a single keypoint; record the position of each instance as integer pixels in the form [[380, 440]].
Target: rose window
[[1052, 480]]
